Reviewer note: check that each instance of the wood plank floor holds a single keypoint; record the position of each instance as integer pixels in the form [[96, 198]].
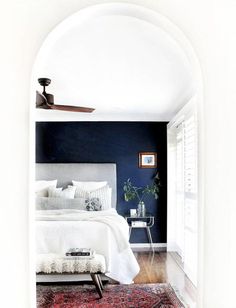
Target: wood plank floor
[[161, 267]]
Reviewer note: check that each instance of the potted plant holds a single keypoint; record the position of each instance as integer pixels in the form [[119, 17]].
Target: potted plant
[[132, 192]]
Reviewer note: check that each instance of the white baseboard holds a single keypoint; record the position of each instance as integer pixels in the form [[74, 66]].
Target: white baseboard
[[147, 247]]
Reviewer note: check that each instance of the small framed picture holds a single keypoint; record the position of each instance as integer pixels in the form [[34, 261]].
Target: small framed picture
[[147, 160], [133, 212]]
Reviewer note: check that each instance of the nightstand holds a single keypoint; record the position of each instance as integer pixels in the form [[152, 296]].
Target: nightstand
[[145, 222]]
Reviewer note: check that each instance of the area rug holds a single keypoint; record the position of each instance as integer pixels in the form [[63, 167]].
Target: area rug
[[117, 296]]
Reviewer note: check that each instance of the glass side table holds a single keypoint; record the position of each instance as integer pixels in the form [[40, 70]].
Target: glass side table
[[145, 222]]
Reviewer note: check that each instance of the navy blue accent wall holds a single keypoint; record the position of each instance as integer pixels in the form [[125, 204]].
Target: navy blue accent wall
[[112, 142]]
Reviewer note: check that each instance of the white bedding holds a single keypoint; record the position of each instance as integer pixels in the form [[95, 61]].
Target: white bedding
[[105, 231]]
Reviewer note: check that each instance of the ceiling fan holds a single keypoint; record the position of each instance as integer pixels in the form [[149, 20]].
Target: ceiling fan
[[46, 101]]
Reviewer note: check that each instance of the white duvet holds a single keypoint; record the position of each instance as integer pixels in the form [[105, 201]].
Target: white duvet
[[105, 231]]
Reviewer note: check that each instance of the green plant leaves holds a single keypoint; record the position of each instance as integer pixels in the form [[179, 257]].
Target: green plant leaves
[[132, 192]]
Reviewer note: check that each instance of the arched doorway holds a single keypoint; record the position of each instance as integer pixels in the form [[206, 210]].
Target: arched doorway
[[107, 18]]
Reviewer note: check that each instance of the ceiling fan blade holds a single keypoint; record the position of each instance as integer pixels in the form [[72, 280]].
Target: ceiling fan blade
[[46, 101], [71, 108]]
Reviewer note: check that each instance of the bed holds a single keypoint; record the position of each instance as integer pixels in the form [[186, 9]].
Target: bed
[[59, 229]]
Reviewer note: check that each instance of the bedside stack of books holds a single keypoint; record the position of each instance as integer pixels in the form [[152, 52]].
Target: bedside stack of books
[[80, 253], [138, 224]]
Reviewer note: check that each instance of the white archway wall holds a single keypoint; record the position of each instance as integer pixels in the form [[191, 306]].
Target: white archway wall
[[121, 59], [210, 27]]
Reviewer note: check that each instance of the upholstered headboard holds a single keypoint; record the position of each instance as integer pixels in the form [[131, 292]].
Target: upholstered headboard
[[65, 173]]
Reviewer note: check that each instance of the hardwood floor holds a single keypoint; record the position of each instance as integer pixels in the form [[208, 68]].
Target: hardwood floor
[[162, 267]]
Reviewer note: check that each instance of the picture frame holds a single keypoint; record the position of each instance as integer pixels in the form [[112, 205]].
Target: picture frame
[[147, 160]]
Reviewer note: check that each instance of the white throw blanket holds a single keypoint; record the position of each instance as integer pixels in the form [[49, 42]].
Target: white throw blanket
[[116, 223], [104, 231]]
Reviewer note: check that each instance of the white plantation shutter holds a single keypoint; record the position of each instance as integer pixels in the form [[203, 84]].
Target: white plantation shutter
[[182, 161], [190, 196], [179, 158], [179, 190], [190, 155]]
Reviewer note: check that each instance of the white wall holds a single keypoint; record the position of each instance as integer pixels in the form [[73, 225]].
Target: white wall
[[210, 26]]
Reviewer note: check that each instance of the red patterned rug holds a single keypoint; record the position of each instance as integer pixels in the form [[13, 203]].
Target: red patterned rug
[[117, 296]]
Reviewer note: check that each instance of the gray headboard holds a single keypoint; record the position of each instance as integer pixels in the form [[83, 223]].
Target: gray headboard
[[65, 173]]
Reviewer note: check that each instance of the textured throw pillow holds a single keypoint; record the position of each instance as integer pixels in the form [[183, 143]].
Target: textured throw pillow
[[41, 187], [103, 194], [89, 186], [45, 203], [93, 204], [67, 193]]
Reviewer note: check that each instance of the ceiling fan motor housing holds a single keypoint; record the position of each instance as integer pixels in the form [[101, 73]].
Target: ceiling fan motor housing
[[44, 82]]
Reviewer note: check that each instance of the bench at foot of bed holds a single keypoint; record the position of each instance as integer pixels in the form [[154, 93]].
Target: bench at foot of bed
[[54, 263]]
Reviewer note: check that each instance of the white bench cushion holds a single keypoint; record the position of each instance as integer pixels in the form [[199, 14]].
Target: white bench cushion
[[54, 263]]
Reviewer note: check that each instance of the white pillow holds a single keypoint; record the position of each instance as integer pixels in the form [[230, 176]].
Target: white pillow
[[103, 194], [67, 193], [41, 187], [88, 186]]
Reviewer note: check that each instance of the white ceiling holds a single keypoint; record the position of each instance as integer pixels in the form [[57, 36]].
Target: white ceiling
[[125, 67]]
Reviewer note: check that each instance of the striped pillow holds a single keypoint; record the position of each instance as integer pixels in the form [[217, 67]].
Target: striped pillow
[[103, 194]]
